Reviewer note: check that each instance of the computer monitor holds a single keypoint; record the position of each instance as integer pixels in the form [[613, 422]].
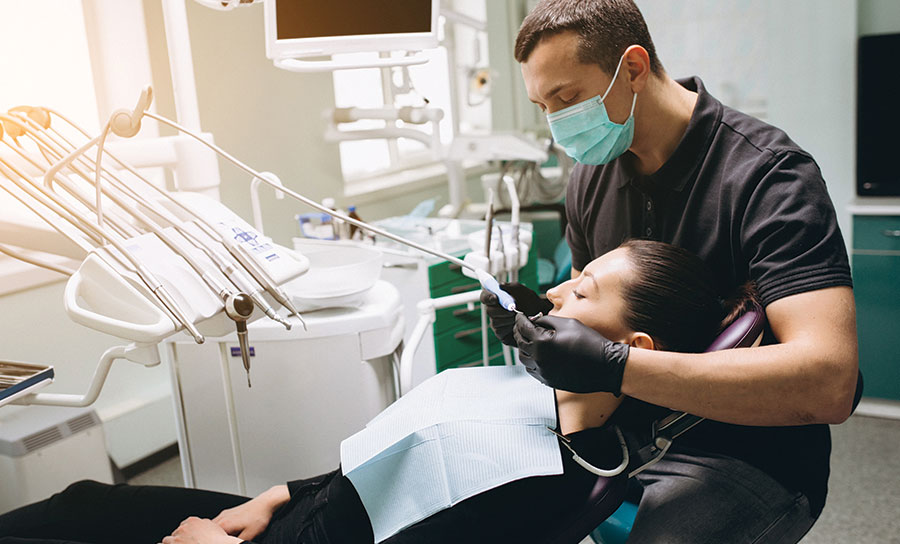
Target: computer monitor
[[313, 28]]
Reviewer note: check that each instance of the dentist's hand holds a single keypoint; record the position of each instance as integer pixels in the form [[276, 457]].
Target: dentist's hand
[[566, 354], [502, 321]]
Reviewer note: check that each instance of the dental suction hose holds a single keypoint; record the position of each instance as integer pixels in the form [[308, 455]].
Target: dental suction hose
[[238, 308]]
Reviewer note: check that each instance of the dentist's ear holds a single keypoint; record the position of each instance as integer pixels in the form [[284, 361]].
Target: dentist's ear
[[641, 340]]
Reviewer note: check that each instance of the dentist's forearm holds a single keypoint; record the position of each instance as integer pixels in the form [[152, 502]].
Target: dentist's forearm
[[809, 377], [770, 385]]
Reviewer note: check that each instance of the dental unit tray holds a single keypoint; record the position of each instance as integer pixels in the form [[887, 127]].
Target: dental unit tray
[[19, 379], [157, 262]]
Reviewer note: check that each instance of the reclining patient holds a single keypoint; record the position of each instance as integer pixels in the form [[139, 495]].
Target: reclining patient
[[647, 294]]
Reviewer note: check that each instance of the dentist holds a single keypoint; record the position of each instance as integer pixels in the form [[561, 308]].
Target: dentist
[[664, 160]]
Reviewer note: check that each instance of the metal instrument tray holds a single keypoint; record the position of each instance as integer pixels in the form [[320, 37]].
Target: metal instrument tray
[[20, 379]]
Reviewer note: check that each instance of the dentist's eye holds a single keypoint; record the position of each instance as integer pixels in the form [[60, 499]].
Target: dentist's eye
[[569, 100]]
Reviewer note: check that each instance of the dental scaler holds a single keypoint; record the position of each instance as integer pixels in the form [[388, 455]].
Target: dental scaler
[[490, 284]]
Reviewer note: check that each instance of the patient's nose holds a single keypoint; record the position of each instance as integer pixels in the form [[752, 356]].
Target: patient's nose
[[554, 295]]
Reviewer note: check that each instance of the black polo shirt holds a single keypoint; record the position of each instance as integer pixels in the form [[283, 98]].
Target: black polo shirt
[[753, 205]]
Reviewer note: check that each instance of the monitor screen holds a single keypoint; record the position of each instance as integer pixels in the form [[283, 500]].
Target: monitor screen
[[302, 28], [317, 18], [878, 116]]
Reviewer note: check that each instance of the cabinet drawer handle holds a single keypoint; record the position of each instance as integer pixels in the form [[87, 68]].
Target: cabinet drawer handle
[[468, 332], [406, 266], [479, 362], [462, 311], [891, 233], [464, 288]]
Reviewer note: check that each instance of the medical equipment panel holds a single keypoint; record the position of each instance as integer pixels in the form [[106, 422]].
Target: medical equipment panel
[[304, 28], [311, 389], [455, 338], [457, 333]]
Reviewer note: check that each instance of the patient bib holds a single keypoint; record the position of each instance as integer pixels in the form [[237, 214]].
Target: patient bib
[[456, 435]]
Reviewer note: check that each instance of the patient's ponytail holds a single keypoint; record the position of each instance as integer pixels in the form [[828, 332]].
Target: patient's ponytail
[[744, 299], [671, 296]]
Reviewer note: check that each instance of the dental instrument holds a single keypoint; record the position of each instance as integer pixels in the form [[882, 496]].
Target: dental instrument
[[36, 115], [490, 284], [147, 277], [513, 266], [130, 121], [585, 464], [239, 309], [489, 225]]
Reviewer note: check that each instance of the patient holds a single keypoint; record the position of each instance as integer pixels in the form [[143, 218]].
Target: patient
[[647, 294]]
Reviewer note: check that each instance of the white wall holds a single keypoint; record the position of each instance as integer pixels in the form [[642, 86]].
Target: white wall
[[789, 63], [879, 16]]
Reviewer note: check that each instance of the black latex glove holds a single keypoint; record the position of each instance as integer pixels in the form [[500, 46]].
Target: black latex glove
[[502, 321], [566, 354]]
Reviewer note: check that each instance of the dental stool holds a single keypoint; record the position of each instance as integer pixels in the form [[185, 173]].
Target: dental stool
[[605, 505]]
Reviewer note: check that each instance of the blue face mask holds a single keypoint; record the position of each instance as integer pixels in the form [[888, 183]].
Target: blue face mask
[[586, 133]]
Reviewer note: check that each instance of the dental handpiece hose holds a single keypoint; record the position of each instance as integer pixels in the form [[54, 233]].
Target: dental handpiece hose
[[311, 203], [487, 281]]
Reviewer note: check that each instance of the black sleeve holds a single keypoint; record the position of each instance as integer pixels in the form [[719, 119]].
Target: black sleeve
[[575, 236], [789, 232], [310, 484]]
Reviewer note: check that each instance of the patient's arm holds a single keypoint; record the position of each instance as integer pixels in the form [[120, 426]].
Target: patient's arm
[[578, 412], [250, 519]]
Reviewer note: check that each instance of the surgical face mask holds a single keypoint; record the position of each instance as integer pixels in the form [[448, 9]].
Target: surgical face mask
[[586, 133]]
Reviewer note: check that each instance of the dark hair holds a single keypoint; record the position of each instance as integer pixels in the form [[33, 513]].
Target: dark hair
[[671, 296], [606, 28]]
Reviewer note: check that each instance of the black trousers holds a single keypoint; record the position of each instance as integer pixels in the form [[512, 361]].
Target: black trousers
[[323, 510], [94, 513]]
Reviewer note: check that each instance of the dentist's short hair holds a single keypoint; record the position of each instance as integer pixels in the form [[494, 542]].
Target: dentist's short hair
[[606, 29]]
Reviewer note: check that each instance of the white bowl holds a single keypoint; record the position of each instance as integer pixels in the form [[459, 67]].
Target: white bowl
[[336, 272]]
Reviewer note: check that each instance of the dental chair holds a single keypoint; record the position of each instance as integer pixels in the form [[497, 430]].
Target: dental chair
[[605, 514], [647, 447]]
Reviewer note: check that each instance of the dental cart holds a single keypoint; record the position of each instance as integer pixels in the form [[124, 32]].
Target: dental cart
[[311, 389]]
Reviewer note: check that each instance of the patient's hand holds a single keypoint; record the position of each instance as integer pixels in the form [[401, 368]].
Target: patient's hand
[[249, 520], [199, 531], [584, 411]]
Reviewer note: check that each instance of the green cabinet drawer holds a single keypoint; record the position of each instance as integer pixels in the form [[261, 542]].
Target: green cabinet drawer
[[462, 285], [496, 359], [876, 232], [444, 272], [877, 294], [457, 330], [457, 317], [461, 346]]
